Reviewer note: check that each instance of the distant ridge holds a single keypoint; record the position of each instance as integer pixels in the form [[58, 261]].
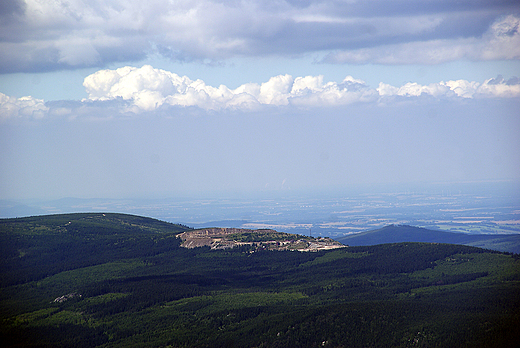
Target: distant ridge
[[405, 233]]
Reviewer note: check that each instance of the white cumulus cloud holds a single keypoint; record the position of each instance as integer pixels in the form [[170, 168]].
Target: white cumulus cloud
[[29, 107], [491, 88], [149, 88], [130, 90]]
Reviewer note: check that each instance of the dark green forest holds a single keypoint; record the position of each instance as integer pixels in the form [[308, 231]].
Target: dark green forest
[[115, 280], [403, 233]]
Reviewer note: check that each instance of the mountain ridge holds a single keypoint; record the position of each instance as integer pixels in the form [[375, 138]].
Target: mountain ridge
[[407, 233]]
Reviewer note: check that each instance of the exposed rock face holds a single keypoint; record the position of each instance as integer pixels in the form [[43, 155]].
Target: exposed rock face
[[225, 238], [66, 297]]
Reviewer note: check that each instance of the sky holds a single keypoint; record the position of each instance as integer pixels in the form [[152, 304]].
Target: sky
[[121, 99]]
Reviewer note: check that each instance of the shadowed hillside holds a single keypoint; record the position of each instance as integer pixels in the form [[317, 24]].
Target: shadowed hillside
[[404, 233]]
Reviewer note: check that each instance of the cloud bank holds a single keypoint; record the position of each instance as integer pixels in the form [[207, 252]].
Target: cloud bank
[[132, 90], [148, 88], [27, 107], [500, 42], [67, 34]]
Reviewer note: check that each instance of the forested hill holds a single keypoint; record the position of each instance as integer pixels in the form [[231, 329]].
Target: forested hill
[[114, 280], [40, 246], [88, 223], [405, 233]]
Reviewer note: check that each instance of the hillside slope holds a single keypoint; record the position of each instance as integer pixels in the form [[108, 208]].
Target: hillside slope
[[114, 280], [404, 233], [39, 246]]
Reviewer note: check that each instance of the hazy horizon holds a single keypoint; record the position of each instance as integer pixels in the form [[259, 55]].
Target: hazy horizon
[[489, 208], [208, 98]]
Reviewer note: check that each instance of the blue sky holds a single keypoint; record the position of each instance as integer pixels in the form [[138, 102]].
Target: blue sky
[[125, 99]]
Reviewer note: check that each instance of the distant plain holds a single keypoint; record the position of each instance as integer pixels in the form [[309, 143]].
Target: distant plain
[[489, 208]]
